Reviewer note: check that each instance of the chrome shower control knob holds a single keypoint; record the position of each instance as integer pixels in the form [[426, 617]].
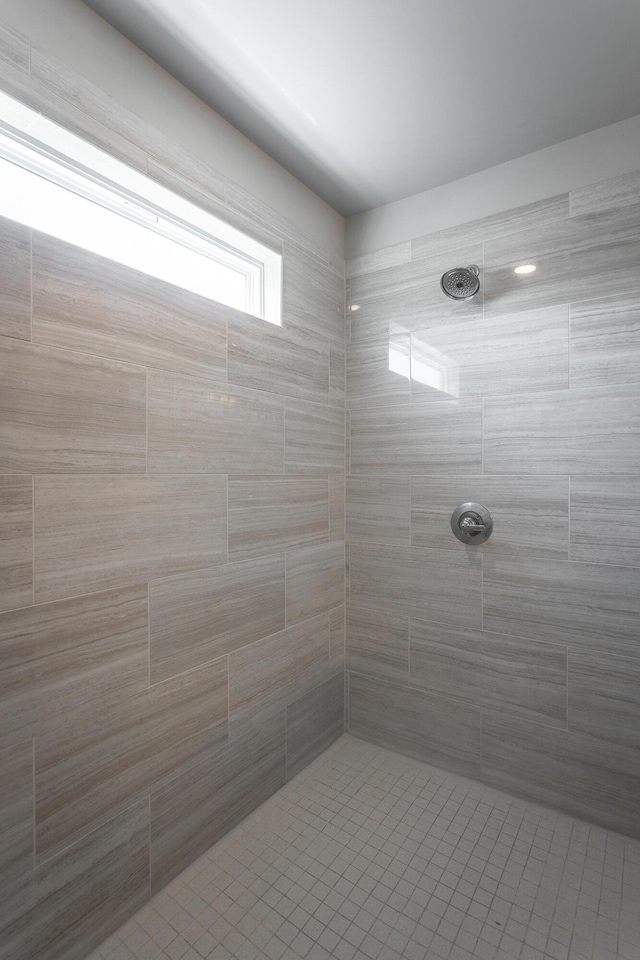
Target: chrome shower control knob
[[471, 523]]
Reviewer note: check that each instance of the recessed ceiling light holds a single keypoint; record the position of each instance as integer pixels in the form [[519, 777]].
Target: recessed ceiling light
[[526, 268]]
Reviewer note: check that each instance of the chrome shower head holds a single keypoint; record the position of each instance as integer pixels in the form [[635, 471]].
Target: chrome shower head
[[461, 283]]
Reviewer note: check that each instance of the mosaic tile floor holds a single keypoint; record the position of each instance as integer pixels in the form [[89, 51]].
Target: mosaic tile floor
[[367, 855]]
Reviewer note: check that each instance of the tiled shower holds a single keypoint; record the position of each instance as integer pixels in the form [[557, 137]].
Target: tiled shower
[[182, 488]]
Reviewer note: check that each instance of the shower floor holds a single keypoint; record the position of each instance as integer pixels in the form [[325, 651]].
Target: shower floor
[[368, 855]]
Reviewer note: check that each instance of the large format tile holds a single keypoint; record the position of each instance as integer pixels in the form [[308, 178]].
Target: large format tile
[[378, 644], [511, 676], [198, 427], [516, 353], [282, 360], [314, 438], [70, 413], [337, 372], [337, 506], [197, 617], [16, 813], [14, 49], [582, 431], [603, 697], [268, 515], [16, 536], [379, 510], [592, 606], [378, 260], [424, 438], [428, 584], [606, 194], [600, 510], [588, 777], [530, 514], [431, 729], [337, 636], [378, 371], [87, 303], [605, 341], [587, 256], [314, 580], [314, 721], [313, 294], [15, 280], [73, 902], [97, 532]]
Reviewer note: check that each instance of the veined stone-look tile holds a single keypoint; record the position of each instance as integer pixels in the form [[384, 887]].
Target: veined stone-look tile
[[267, 675], [593, 255], [492, 227], [313, 295], [71, 652], [16, 814], [16, 537], [70, 413], [379, 510], [600, 507], [192, 179], [427, 584], [14, 49], [74, 901], [314, 580], [285, 360], [337, 372], [380, 259], [582, 431], [99, 532], [197, 426], [441, 438], [617, 192], [314, 438], [336, 506], [443, 732], [518, 677], [378, 644], [517, 353], [538, 504], [408, 297], [87, 303], [206, 799], [586, 776], [379, 371], [605, 341], [603, 697], [590, 605], [314, 721], [15, 278], [268, 515], [337, 635], [198, 617]]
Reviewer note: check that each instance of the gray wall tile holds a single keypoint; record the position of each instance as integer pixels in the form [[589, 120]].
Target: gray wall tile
[[337, 635], [16, 813], [379, 510], [336, 506], [270, 515], [15, 278], [337, 372], [603, 697], [600, 508], [501, 673], [314, 721], [378, 371], [380, 259], [14, 49], [606, 194], [16, 536], [314, 438], [314, 580], [605, 341], [313, 294], [378, 644]]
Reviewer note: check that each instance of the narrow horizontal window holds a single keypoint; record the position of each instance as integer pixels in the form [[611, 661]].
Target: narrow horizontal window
[[55, 182]]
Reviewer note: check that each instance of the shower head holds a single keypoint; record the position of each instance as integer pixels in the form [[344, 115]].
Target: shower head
[[461, 283]]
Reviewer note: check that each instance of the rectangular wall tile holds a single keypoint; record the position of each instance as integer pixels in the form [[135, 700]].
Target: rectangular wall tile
[[198, 427], [98, 532], [542, 503], [603, 697], [70, 413], [518, 677], [431, 729], [337, 372], [16, 537], [428, 584], [337, 635], [598, 531], [605, 341], [379, 510], [16, 813], [15, 278], [314, 721], [592, 606], [313, 295], [14, 49], [270, 515], [606, 194], [72, 903], [87, 303], [380, 259], [424, 438], [586, 776], [379, 371], [582, 431], [378, 644], [336, 506], [198, 617], [314, 580], [314, 438]]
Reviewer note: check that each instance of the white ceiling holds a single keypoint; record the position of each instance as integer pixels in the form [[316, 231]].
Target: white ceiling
[[369, 101]]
